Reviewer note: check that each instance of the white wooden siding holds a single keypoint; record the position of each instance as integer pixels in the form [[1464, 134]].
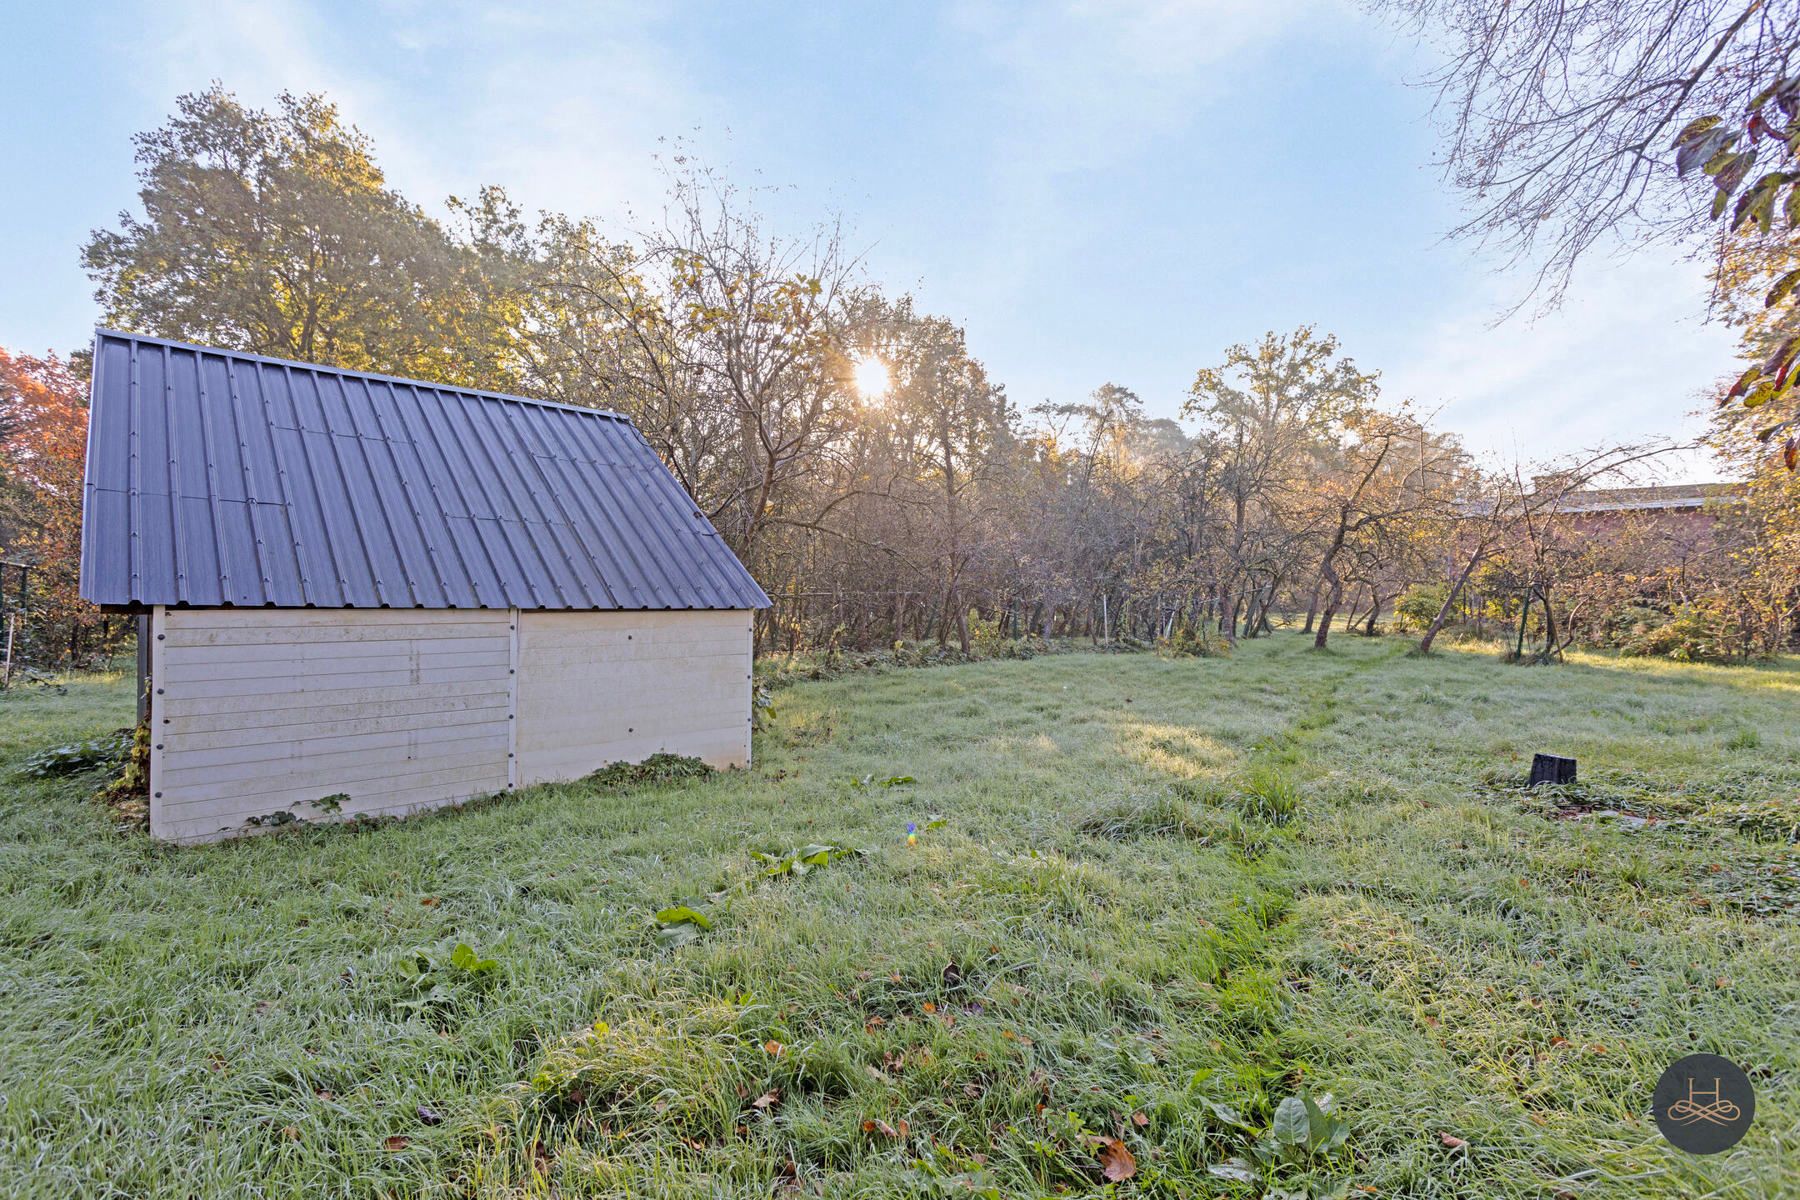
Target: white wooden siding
[[256, 711], [600, 687]]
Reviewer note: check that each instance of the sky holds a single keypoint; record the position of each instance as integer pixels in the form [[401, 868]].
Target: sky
[[1099, 191]]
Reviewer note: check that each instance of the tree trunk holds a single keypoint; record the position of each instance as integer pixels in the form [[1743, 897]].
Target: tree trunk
[[1334, 596], [1443, 612], [1312, 606], [1550, 646]]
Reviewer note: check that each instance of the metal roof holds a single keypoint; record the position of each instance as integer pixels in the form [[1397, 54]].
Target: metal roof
[[221, 478]]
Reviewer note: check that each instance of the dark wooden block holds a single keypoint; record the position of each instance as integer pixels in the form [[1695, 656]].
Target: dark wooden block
[[1548, 768]]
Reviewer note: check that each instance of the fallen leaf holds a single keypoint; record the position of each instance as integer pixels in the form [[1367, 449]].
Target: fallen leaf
[[1139, 1119], [429, 901], [930, 1008], [773, 1047], [767, 1100], [291, 1133], [397, 1142], [882, 1126], [429, 1116], [1452, 1141], [1116, 1162]]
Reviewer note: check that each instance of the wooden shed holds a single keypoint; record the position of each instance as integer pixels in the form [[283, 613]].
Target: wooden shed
[[370, 595]]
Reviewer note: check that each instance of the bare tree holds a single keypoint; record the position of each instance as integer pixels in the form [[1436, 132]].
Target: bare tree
[[1561, 115]]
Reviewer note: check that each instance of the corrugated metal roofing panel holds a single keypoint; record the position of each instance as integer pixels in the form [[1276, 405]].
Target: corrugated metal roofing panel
[[221, 478]]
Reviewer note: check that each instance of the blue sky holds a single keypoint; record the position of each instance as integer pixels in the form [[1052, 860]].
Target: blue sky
[[1113, 190]]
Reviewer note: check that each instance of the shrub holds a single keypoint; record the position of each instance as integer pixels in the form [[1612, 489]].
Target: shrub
[[1185, 641], [1701, 631], [1419, 604]]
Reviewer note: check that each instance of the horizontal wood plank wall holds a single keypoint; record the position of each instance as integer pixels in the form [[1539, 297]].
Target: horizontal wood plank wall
[[259, 711], [598, 687]]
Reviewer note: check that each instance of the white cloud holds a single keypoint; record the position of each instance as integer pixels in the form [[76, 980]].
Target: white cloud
[[1627, 357]]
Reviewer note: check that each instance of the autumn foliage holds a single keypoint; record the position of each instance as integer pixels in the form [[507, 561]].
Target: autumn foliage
[[43, 443]]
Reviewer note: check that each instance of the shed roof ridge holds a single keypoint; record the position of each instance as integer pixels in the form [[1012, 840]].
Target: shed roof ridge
[[101, 331]]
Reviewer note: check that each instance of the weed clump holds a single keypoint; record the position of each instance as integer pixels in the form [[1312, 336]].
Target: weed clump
[[1157, 816], [658, 768], [1269, 796], [74, 758], [1187, 641], [1263, 795]]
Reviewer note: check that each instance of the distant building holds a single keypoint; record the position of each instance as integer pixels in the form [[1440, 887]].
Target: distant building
[[1666, 500]]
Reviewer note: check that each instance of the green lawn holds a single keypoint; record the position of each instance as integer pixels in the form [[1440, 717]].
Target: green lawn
[[1164, 896]]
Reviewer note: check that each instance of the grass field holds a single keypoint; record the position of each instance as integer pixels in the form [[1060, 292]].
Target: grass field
[[1164, 896]]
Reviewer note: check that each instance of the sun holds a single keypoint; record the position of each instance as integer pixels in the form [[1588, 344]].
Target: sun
[[871, 376]]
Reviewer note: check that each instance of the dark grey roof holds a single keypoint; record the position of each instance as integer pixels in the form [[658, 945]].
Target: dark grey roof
[[220, 478]]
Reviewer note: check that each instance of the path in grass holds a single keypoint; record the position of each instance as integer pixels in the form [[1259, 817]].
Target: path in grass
[[1164, 896]]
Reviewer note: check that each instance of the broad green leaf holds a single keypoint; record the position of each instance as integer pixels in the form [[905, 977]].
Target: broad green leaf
[[681, 914], [1291, 1125], [1228, 1114]]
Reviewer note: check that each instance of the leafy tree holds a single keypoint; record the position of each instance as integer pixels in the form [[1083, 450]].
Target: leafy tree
[[43, 445], [276, 233], [1272, 413], [1573, 124]]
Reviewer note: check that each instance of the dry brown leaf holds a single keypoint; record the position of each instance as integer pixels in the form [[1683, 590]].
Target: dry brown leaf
[[773, 1047], [429, 901], [396, 1142], [1116, 1161], [1452, 1141], [767, 1100], [1139, 1119]]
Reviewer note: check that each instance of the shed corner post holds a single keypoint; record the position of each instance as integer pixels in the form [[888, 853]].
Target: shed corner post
[[750, 685], [156, 627], [512, 701]]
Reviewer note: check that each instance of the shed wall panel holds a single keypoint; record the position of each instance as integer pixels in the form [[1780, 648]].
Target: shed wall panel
[[602, 687], [269, 710]]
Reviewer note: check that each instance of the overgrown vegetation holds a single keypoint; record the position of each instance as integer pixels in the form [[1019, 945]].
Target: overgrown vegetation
[[658, 768], [1162, 905]]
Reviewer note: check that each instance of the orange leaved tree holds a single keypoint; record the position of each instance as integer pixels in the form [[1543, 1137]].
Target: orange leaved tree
[[43, 440]]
